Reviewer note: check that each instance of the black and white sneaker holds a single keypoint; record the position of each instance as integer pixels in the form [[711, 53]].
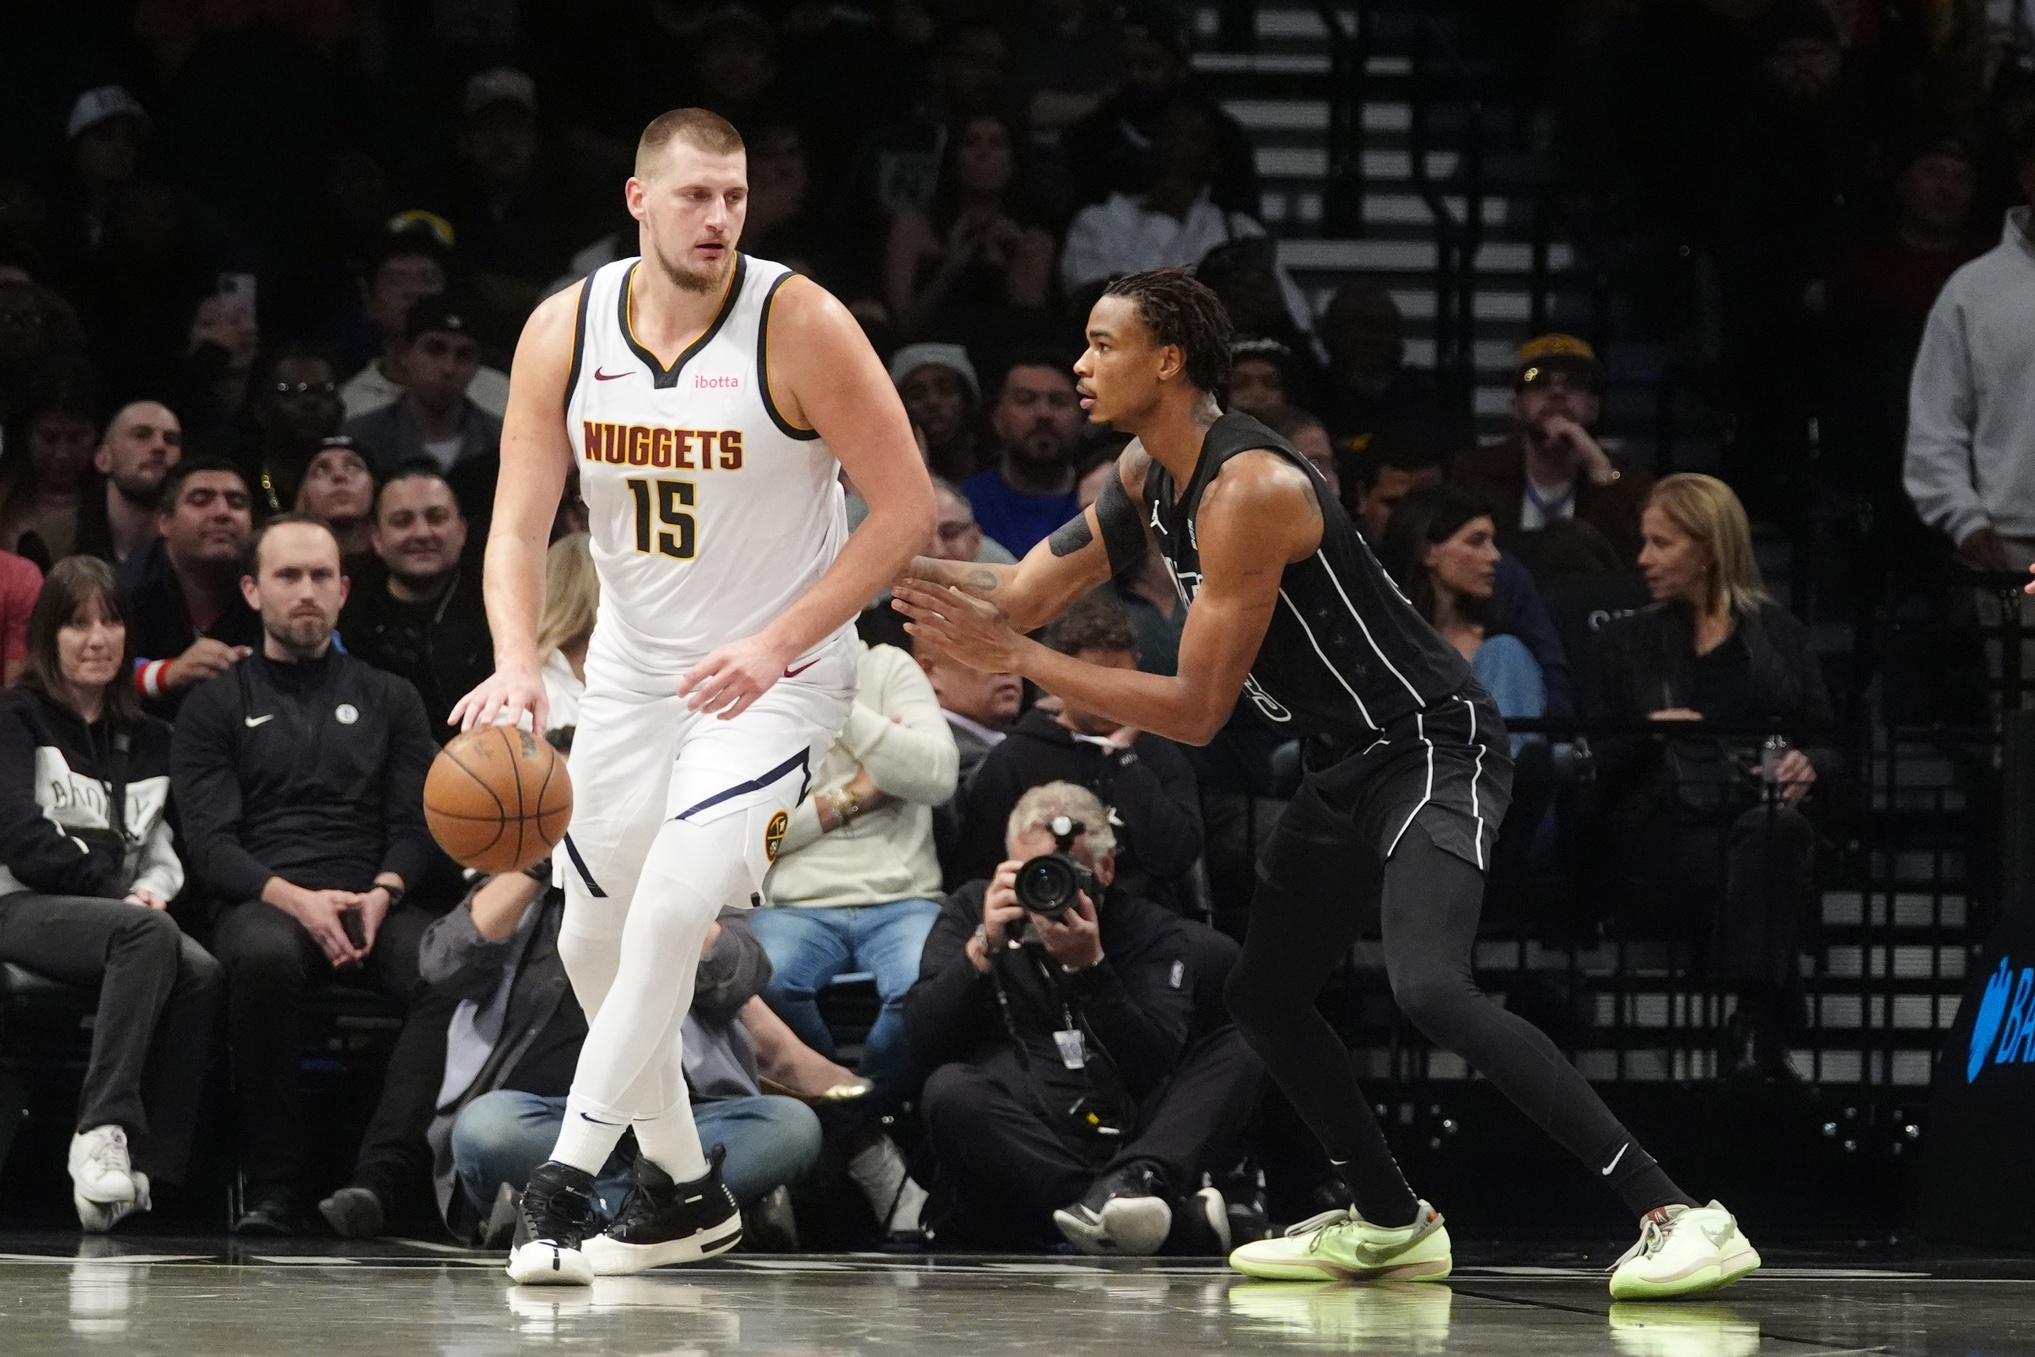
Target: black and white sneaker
[[1125, 1213], [556, 1213], [665, 1222]]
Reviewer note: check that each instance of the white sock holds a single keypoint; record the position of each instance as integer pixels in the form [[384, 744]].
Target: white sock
[[587, 1137], [672, 1142]]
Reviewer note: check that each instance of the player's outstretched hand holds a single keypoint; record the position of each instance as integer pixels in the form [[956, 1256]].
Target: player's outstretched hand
[[2029, 588], [504, 694], [972, 630], [728, 682]]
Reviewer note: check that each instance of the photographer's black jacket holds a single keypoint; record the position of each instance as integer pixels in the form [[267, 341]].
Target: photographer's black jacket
[[1135, 1006], [312, 771]]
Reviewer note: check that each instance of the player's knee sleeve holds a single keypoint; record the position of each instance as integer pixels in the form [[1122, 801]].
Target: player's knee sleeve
[[693, 872], [590, 963]]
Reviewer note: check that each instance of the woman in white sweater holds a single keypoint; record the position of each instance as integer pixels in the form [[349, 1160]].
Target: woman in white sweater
[[855, 888]]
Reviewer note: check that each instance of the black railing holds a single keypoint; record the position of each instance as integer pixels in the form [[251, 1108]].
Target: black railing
[[1349, 49]]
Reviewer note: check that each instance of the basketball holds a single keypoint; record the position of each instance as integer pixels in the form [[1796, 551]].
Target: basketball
[[497, 799]]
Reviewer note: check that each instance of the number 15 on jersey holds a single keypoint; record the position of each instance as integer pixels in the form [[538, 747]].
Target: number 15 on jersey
[[670, 500]]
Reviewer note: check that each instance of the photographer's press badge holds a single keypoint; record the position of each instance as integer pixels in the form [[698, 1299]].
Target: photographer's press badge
[[1072, 1053]]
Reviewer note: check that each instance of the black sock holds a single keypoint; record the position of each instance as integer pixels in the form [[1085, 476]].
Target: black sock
[[1643, 1185]]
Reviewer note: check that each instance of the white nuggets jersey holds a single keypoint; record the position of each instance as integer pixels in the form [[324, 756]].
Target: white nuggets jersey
[[710, 512]]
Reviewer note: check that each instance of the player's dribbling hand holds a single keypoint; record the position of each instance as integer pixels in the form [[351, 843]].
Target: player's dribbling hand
[[728, 682], [972, 630], [507, 692]]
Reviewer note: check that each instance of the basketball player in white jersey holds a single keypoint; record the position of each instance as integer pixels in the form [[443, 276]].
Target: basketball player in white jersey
[[709, 400]]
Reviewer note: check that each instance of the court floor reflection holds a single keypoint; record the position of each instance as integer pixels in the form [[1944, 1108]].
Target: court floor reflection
[[143, 1296]]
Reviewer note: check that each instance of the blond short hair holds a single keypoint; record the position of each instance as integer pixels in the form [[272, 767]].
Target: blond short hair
[[700, 127], [1040, 806], [572, 594], [1706, 510]]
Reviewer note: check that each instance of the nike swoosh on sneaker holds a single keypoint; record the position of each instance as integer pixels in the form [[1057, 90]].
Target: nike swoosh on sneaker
[[253, 721], [794, 673], [600, 376], [1718, 1236], [1606, 1170]]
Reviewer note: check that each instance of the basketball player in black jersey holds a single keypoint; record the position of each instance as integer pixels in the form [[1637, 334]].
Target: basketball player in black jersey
[[1408, 776]]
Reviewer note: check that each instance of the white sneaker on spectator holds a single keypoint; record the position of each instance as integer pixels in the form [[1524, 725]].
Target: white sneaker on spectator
[[102, 1177], [878, 1169]]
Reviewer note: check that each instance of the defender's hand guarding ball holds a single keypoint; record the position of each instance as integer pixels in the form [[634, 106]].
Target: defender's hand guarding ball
[[970, 629], [497, 799]]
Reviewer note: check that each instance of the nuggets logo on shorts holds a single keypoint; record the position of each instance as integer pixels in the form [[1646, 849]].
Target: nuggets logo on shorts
[[773, 835]]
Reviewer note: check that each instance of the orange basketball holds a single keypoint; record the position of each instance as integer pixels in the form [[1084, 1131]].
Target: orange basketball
[[497, 799]]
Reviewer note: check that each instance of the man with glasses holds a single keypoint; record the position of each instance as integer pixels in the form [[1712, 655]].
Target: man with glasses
[[1552, 469], [296, 408]]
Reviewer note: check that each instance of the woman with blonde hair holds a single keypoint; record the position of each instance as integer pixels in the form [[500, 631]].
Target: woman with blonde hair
[[1711, 812], [572, 598]]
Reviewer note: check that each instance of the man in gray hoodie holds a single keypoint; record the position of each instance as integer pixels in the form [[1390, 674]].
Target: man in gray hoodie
[[1970, 465]]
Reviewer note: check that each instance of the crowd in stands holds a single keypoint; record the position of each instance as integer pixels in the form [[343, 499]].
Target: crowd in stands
[[261, 272]]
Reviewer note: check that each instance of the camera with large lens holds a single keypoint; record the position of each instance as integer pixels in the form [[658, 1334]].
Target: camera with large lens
[[1047, 884]]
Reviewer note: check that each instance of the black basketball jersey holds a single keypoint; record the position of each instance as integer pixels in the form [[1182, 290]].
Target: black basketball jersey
[[1346, 653]]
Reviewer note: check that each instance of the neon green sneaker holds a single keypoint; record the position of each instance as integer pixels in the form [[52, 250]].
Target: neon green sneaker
[[1692, 1249], [1343, 1246]]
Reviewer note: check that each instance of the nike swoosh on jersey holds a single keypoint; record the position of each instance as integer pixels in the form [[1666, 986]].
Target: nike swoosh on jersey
[[253, 721], [1615, 1158], [600, 376], [794, 673]]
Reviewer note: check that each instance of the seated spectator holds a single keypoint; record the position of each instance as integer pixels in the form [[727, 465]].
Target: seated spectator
[[1306, 432], [296, 408], [1370, 388], [1173, 224], [1112, 149], [191, 620], [1263, 301], [142, 442], [504, 1122], [20, 585], [979, 709], [87, 871], [1881, 291], [1551, 468], [1064, 1085], [959, 271], [1067, 55], [783, 224], [423, 619], [301, 784], [1257, 376], [1441, 548], [339, 490], [1145, 781], [1392, 466], [940, 391], [1693, 815], [414, 262], [434, 419], [852, 890], [1030, 490], [514, 212], [46, 473], [572, 597]]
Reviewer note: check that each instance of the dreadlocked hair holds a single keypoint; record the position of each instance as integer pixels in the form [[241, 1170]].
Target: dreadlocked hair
[[1180, 309]]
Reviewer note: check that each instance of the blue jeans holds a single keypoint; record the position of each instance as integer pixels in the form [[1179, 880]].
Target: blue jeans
[[500, 1137], [809, 947]]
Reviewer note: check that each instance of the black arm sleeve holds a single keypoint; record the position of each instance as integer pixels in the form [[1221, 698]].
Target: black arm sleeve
[[206, 780], [948, 1009], [38, 852], [1123, 527]]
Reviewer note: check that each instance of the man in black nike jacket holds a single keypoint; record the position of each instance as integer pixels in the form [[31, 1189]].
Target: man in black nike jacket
[[300, 774]]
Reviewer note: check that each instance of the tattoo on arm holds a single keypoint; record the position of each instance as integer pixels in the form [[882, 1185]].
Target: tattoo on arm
[[1071, 536], [982, 581], [1123, 527]]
